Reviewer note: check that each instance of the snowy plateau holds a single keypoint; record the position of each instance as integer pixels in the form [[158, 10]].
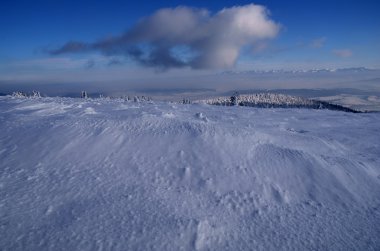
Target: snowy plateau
[[110, 174]]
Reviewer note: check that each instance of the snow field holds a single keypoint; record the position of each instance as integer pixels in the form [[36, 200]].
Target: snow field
[[113, 175]]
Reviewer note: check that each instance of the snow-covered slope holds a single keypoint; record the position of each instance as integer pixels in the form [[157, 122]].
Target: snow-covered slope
[[113, 175]]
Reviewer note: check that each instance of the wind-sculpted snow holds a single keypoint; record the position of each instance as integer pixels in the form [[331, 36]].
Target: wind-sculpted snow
[[100, 174]]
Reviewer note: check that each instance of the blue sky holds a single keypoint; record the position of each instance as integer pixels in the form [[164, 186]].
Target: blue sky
[[311, 34]]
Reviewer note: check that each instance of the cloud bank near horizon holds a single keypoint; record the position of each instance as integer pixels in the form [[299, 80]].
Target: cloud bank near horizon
[[186, 37]]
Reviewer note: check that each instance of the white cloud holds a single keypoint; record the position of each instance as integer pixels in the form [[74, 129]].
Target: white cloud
[[214, 40]]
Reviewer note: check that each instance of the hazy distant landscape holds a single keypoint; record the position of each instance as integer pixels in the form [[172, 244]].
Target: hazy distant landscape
[[356, 88]]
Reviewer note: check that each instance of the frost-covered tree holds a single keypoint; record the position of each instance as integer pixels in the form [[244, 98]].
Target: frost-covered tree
[[36, 94], [235, 99], [186, 101], [19, 94], [84, 94], [273, 100]]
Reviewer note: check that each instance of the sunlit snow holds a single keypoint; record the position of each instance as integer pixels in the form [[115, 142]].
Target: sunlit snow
[[102, 174]]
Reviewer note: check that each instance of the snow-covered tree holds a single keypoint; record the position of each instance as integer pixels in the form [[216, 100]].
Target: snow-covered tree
[[36, 94], [273, 100], [235, 99], [186, 101], [84, 94], [19, 94]]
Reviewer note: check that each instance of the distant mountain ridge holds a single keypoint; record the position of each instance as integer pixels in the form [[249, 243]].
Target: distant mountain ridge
[[322, 70]]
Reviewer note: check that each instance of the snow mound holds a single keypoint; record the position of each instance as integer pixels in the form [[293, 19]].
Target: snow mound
[[118, 175], [201, 116], [90, 110]]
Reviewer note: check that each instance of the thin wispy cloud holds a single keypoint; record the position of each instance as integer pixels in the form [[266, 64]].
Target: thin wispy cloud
[[63, 63], [187, 37], [342, 53], [90, 64], [115, 61], [318, 42]]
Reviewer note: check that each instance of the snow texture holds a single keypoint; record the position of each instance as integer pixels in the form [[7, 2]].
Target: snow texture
[[103, 174]]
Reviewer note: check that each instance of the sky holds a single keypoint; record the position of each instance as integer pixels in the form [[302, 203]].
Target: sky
[[176, 43]]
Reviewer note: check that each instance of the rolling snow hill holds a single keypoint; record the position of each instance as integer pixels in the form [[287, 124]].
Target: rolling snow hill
[[100, 174]]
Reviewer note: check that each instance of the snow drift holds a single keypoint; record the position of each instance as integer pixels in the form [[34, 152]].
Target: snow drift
[[93, 174]]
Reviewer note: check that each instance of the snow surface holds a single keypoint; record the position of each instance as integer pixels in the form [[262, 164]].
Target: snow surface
[[357, 102], [106, 174]]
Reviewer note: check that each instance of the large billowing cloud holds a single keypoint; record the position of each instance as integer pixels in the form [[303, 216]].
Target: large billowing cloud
[[183, 36]]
